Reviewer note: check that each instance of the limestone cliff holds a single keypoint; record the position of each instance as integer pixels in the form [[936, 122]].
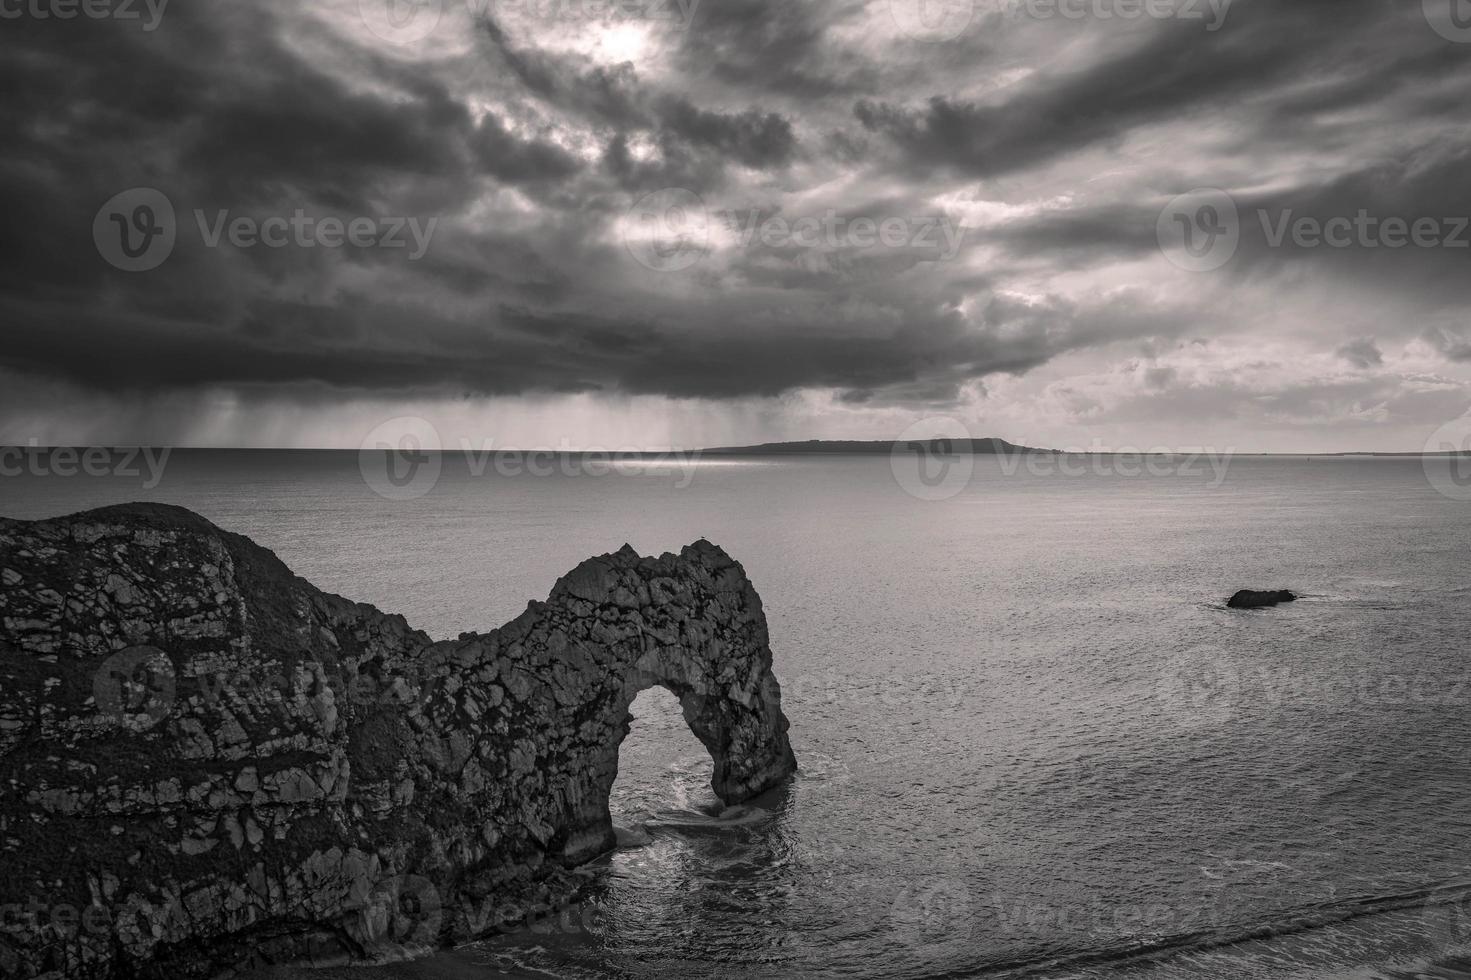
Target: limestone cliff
[[204, 760]]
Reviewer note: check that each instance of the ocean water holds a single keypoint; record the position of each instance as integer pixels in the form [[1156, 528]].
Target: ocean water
[[1033, 741]]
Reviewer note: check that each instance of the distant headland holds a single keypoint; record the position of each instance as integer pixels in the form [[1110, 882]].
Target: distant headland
[[994, 447]]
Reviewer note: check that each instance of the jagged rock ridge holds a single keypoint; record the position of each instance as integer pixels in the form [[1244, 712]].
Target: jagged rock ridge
[[205, 760]]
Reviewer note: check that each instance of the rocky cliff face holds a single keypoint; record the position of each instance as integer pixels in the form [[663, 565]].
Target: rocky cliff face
[[205, 761]]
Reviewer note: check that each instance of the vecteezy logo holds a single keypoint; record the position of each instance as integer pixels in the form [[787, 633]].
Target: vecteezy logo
[[932, 459], [1200, 231], [135, 231], [401, 459], [935, 914], [1199, 688], [933, 20], [1447, 459], [401, 21], [404, 911], [134, 688], [1451, 19], [667, 230], [1447, 919]]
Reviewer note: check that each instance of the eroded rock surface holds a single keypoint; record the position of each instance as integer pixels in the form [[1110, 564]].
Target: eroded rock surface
[[207, 762]]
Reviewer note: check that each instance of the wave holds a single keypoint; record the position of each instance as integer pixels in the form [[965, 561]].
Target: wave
[[1449, 968], [1447, 893], [686, 818]]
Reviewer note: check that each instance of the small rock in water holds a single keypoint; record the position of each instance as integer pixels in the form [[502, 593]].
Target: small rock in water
[[1249, 599]]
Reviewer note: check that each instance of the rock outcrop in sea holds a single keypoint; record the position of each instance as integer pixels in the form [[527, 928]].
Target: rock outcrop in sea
[[207, 762], [1250, 599]]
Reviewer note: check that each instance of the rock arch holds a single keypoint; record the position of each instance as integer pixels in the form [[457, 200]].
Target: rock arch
[[613, 627], [313, 779]]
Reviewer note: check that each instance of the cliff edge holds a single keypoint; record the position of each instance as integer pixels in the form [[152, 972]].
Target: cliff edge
[[206, 762]]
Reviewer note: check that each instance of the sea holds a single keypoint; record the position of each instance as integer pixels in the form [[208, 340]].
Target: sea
[[1033, 740]]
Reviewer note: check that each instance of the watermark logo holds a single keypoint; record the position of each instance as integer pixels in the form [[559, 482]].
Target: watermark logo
[[1451, 19], [90, 9], [401, 21], [932, 459], [933, 21], [402, 459], [395, 689], [63, 461], [944, 20], [1199, 688], [306, 231], [933, 914], [404, 22], [668, 230], [1447, 921], [1126, 462], [678, 13], [135, 231], [566, 461], [1447, 459], [930, 233], [1212, 13], [917, 692], [1364, 230], [404, 912], [134, 688], [936, 459], [1200, 231]]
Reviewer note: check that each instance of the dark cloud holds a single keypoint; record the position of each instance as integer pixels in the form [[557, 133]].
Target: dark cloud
[[1362, 353], [756, 139], [714, 353], [1452, 345], [605, 94], [527, 148], [775, 46], [1183, 71], [517, 161]]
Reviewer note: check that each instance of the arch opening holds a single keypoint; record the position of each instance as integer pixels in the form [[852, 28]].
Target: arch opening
[[662, 766]]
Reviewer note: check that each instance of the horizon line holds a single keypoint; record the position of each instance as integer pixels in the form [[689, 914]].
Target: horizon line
[[770, 448]]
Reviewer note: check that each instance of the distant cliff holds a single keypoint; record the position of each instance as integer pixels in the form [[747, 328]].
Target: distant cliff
[[990, 447], [205, 760]]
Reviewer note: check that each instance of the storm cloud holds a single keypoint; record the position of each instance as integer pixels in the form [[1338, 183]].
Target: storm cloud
[[727, 202]]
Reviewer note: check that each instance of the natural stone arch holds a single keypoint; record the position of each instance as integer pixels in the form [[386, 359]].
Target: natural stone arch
[[307, 762], [657, 741], [708, 716], [616, 626]]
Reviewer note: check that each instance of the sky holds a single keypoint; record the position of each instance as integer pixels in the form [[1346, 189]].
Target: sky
[[612, 224]]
